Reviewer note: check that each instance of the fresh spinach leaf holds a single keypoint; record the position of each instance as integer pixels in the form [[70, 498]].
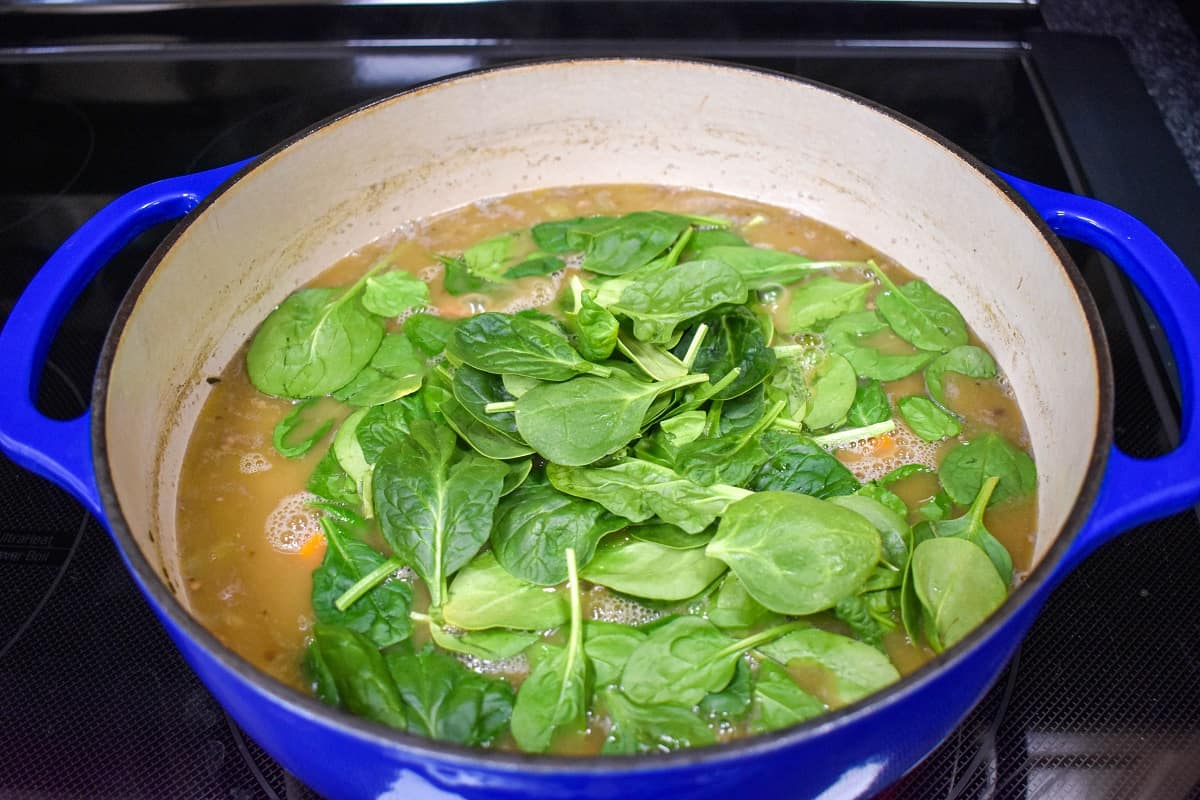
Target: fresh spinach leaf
[[970, 527], [704, 238], [568, 235], [659, 728], [870, 405], [778, 702], [435, 503], [920, 315], [493, 644], [331, 483], [358, 674], [428, 333], [856, 614], [968, 465], [651, 359], [382, 613], [484, 595], [822, 299], [457, 278], [314, 343], [596, 329], [857, 668], [288, 425], [394, 371], [659, 302], [732, 340], [797, 464], [730, 459], [758, 266], [447, 701], [734, 609], [958, 587], [845, 336], [733, 701], [474, 390], [638, 490], [576, 422], [651, 571], [832, 387], [743, 411], [670, 536], [556, 693], [537, 524], [534, 264], [486, 259], [483, 439], [518, 471], [608, 646], [384, 425], [629, 242], [686, 659], [504, 343], [892, 527], [796, 554], [393, 293], [351, 458], [974, 362], [927, 420]]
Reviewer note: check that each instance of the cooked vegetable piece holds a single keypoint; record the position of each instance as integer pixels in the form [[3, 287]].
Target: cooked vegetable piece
[[287, 427], [796, 554]]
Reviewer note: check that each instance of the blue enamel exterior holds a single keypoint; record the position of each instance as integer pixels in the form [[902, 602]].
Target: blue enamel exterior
[[851, 754]]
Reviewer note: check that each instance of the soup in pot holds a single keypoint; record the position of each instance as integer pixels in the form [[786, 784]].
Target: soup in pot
[[606, 469]]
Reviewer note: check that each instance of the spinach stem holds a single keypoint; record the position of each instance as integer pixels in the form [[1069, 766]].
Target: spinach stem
[[841, 265], [577, 293], [598, 370], [787, 424], [689, 358], [839, 438], [366, 583], [419, 617], [981, 501], [762, 637], [501, 407], [672, 257]]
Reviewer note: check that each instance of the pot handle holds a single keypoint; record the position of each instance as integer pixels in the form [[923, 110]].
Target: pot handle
[[56, 449], [1134, 490]]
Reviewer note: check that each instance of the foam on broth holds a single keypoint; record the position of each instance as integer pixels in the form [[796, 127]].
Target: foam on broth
[[245, 533]]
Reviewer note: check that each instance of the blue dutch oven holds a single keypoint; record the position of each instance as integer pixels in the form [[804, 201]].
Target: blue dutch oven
[[254, 231]]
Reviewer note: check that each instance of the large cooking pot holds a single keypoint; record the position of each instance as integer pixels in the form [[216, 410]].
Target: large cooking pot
[[253, 232]]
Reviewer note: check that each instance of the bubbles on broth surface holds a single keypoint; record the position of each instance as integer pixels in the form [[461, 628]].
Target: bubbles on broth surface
[[609, 607], [514, 665], [253, 462], [293, 522], [908, 448]]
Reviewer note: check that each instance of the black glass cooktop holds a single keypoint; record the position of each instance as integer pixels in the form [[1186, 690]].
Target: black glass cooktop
[[1103, 699]]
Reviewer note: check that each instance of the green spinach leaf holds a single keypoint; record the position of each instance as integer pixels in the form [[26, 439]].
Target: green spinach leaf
[[314, 343], [857, 669], [447, 701], [435, 503], [758, 266], [484, 595], [651, 571], [974, 362], [658, 302], [503, 343], [927, 420], [733, 701], [288, 425], [493, 644], [353, 665], [968, 465], [394, 371], [845, 336], [958, 587], [797, 464], [778, 702], [870, 405], [393, 293], [822, 299], [732, 340], [483, 439], [920, 315], [384, 425], [608, 646], [796, 554], [428, 333], [970, 527], [537, 524], [670, 536], [382, 613], [661, 728]]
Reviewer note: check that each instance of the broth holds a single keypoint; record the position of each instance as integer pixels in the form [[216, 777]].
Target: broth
[[246, 533]]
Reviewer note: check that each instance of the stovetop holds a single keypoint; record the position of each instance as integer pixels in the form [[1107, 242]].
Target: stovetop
[[1102, 700]]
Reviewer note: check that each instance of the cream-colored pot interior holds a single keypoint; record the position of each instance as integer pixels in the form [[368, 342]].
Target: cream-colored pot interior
[[724, 129]]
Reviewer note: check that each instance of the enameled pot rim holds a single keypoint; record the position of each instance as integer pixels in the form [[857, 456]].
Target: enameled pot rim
[[446, 753]]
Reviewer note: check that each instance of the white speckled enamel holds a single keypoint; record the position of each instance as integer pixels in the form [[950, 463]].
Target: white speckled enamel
[[723, 129]]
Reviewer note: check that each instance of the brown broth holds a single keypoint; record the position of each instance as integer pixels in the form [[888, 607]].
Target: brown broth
[[253, 593]]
